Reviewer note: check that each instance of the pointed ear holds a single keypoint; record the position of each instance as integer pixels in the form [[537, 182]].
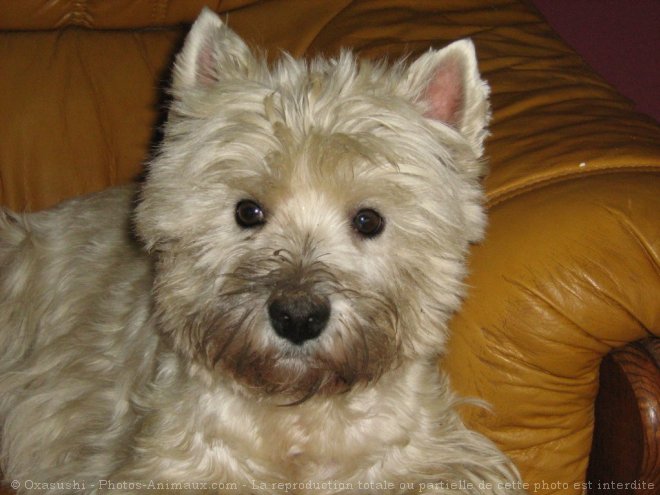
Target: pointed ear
[[449, 83], [210, 52]]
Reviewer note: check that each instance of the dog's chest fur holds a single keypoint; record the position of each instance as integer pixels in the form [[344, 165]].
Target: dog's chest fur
[[340, 438], [326, 440]]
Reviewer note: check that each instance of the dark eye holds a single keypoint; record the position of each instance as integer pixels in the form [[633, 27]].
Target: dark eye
[[249, 214], [368, 223]]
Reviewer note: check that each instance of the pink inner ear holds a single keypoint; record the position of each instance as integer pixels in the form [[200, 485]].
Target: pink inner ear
[[444, 94], [206, 64]]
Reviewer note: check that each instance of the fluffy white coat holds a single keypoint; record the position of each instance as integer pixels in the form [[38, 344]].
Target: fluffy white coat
[[135, 341]]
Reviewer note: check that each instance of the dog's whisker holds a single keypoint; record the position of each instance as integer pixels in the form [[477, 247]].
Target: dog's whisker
[[229, 335]]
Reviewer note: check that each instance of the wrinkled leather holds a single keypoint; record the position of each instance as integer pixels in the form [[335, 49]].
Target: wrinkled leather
[[569, 269]]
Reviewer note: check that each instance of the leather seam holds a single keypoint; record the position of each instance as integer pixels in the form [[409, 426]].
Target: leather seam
[[513, 192]]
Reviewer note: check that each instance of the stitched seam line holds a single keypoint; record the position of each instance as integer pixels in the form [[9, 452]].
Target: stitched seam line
[[513, 192]]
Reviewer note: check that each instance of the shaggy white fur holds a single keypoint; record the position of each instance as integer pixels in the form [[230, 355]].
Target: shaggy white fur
[[273, 323]]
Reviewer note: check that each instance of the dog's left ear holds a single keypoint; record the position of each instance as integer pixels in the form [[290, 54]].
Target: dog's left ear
[[211, 52], [448, 82]]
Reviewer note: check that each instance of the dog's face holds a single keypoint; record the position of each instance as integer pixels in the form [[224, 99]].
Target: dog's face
[[310, 221]]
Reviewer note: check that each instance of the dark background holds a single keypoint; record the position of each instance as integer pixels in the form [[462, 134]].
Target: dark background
[[619, 39]]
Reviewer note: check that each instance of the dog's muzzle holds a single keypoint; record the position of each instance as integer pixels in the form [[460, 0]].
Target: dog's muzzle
[[298, 317]]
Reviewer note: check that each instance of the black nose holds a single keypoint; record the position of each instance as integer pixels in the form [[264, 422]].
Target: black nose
[[298, 318]]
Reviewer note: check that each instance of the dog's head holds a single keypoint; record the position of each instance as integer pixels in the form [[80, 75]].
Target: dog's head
[[310, 220]]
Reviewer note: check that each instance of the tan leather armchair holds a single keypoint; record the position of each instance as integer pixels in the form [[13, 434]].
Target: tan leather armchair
[[570, 269]]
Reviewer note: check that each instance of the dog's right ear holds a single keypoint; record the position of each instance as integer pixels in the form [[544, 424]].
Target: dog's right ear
[[449, 83], [210, 53]]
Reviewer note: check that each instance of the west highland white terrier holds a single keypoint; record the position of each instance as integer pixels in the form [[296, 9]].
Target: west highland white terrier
[[265, 313]]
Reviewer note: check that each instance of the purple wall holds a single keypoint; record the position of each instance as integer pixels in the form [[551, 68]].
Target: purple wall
[[620, 39]]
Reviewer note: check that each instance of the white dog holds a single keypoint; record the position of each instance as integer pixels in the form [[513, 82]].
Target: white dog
[[264, 315]]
